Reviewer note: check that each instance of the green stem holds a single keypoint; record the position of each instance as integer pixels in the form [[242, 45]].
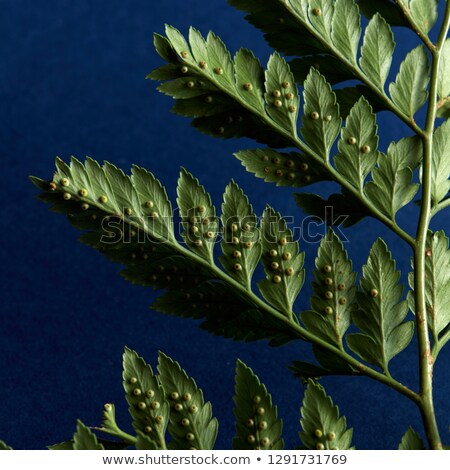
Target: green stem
[[425, 356], [424, 37]]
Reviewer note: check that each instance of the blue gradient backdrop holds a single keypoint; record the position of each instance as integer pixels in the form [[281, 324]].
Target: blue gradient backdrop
[[72, 81]]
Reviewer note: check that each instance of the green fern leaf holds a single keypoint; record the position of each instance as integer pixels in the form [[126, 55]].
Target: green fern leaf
[[322, 427], [149, 262], [283, 30], [411, 441], [240, 244], [161, 262], [408, 151], [219, 61], [146, 399], [109, 206], [109, 418], [358, 144], [144, 442], [320, 15], [329, 361], [225, 99], [381, 311], [346, 28], [443, 84], [321, 120], [409, 91], [198, 216], [187, 87], [225, 314], [95, 179], [304, 370], [281, 95], [282, 263], [334, 292], [424, 13], [377, 50], [391, 187], [85, 439], [4, 446], [198, 48], [389, 10], [305, 30], [239, 123], [437, 283], [338, 209], [179, 43], [163, 47], [109, 424], [65, 445], [155, 205], [440, 170], [283, 169], [250, 79], [257, 424], [331, 68], [191, 422], [348, 96], [166, 72], [125, 193], [203, 106]]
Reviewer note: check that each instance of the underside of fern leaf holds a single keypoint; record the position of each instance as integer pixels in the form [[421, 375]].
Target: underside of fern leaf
[[257, 424], [129, 219], [322, 427], [235, 97], [191, 423]]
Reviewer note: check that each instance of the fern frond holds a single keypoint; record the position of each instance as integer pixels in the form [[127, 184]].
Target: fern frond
[[129, 219]]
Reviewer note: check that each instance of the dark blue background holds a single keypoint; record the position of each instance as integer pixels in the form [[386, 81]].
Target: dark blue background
[[72, 81]]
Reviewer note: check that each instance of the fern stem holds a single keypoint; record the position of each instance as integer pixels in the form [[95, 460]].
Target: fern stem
[[357, 72], [425, 357], [424, 37]]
